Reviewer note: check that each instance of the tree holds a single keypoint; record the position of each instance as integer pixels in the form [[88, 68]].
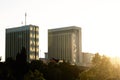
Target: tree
[[53, 71], [34, 75], [69, 72], [101, 70], [22, 67], [22, 56], [96, 59], [40, 66]]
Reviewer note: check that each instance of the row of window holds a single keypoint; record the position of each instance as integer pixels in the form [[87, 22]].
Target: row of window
[[33, 35], [33, 57], [34, 29], [33, 43], [33, 49]]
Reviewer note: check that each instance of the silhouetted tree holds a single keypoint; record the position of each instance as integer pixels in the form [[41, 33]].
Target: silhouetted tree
[[34, 75], [2, 71], [40, 66], [22, 56], [10, 68], [53, 72], [21, 64], [69, 72]]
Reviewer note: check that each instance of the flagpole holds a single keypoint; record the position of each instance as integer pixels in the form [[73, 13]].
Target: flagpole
[[25, 17]]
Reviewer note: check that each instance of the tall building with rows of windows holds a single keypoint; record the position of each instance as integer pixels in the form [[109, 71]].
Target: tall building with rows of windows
[[25, 36], [65, 44]]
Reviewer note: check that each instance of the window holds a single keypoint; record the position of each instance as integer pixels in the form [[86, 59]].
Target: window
[[37, 49], [37, 29], [34, 36], [31, 49], [31, 28], [37, 36], [33, 42], [32, 57], [37, 57], [37, 43], [31, 35], [30, 42]]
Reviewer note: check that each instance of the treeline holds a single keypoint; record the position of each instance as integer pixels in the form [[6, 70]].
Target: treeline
[[102, 69], [20, 69]]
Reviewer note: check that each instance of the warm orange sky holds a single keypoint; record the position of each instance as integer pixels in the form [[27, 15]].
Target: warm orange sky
[[99, 20]]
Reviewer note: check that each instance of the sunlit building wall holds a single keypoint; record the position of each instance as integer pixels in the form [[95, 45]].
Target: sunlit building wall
[[25, 36], [87, 59], [65, 44]]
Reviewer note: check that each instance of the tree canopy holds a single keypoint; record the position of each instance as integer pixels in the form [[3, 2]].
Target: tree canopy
[[102, 69]]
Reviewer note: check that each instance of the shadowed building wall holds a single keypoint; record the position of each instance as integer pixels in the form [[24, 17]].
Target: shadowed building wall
[[26, 36], [65, 44]]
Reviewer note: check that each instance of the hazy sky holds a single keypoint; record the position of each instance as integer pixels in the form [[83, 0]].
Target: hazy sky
[[99, 20]]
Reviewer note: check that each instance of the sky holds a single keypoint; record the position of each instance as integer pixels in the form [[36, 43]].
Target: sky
[[99, 20]]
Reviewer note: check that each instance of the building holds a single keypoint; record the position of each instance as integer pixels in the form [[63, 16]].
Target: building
[[0, 58], [46, 55], [87, 59], [65, 44], [25, 36]]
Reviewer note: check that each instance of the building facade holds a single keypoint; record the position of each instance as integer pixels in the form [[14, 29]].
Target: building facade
[[87, 59], [25, 36], [65, 44]]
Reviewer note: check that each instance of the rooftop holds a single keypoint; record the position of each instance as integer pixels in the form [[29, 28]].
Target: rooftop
[[17, 29], [64, 28]]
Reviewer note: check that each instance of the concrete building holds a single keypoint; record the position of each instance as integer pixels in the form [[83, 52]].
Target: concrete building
[[87, 59], [46, 55], [65, 44], [25, 36]]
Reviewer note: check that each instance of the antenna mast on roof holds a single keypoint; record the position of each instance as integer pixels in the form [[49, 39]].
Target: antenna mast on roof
[[25, 17]]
